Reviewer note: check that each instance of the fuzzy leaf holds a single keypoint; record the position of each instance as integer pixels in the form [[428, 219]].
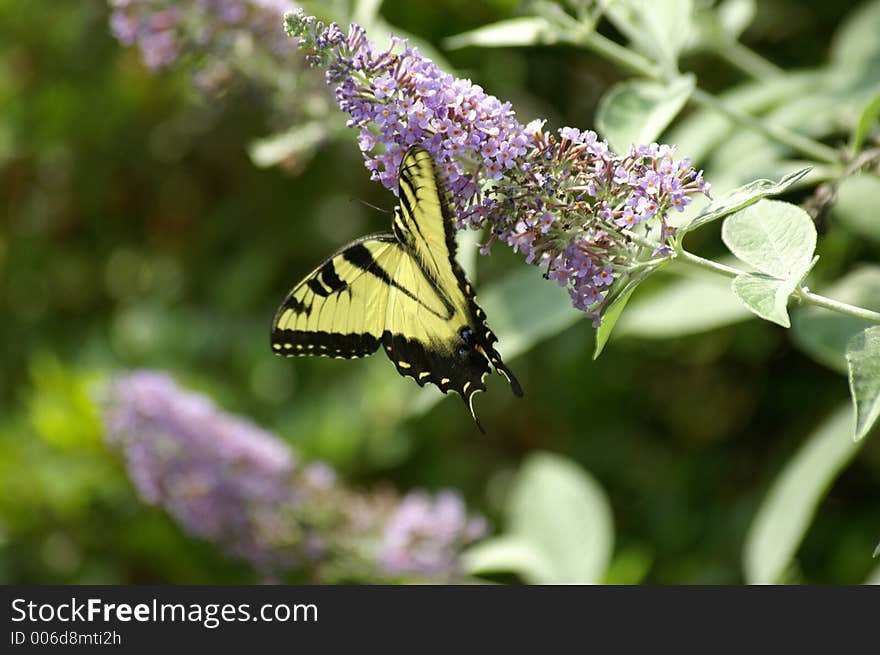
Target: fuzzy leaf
[[765, 296], [735, 16], [659, 28], [741, 198], [867, 120], [526, 31], [788, 508], [639, 111], [559, 509], [507, 554], [863, 361], [298, 142], [823, 334], [775, 237], [856, 205], [613, 311], [855, 41]]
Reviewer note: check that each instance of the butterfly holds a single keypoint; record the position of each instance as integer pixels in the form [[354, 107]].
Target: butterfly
[[402, 291]]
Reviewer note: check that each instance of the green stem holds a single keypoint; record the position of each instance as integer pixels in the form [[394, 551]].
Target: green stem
[[622, 56], [707, 264], [807, 296], [636, 63], [795, 141], [802, 294], [748, 61]]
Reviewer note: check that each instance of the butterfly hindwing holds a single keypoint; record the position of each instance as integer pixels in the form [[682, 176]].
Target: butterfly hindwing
[[403, 291]]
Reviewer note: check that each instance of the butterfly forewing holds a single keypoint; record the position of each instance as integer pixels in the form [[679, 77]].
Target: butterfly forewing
[[339, 309]]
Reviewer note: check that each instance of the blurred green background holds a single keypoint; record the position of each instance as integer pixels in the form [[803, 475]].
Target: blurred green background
[[135, 231]]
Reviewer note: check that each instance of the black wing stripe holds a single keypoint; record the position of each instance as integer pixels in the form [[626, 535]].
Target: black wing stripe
[[331, 279], [298, 306], [318, 288], [292, 343]]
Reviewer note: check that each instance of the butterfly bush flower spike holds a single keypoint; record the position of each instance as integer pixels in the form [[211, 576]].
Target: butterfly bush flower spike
[[228, 481], [164, 30], [564, 200]]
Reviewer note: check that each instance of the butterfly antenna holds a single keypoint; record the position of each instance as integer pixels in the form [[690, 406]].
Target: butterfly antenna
[[372, 206]]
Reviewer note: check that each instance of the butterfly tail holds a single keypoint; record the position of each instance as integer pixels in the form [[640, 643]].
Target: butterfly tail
[[502, 368], [469, 401]]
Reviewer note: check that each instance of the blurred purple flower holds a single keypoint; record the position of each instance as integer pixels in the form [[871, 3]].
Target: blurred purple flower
[[164, 29], [565, 201], [424, 536], [221, 477], [228, 481]]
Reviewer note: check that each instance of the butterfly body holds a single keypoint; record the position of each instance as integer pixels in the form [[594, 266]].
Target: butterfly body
[[402, 291]]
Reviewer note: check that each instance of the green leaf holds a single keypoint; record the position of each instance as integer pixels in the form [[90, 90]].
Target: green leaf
[[659, 28], [365, 13], [824, 334], [863, 361], [629, 567], [507, 554], [611, 314], [525, 31], [716, 27], [868, 119], [61, 406], [686, 306], [775, 237], [557, 508], [856, 204], [765, 296], [298, 142], [742, 197], [856, 39], [788, 508], [639, 111], [735, 16], [874, 576]]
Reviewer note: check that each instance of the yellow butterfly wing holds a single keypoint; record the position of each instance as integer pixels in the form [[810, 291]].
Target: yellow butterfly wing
[[402, 290]]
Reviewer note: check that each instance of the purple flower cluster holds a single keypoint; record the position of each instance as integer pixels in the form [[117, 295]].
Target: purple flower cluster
[[165, 29], [565, 201], [574, 207], [226, 480], [397, 99], [219, 476], [424, 535]]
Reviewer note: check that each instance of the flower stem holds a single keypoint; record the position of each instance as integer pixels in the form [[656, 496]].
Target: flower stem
[[805, 295], [707, 264], [802, 294], [636, 63], [748, 61], [795, 141], [622, 56]]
